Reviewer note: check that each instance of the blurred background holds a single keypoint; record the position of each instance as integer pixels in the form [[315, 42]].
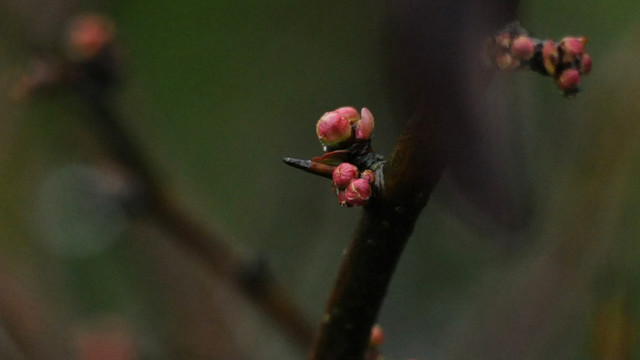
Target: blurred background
[[215, 94]]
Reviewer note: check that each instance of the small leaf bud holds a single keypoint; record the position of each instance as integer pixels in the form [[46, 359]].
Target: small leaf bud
[[365, 126], [333, 129], [344, 174], [523, 48], [358, 192]]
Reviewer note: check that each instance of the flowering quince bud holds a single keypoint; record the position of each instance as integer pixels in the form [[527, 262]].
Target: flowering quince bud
[[569, 80], [377, 336], [368, 175], [503, 40], [572, 48], [342, 197], [88, 35], [364, 127], [344, 174], [585, 64], [333, 129], [523, 48], [348, 112], [506, 61], [550, 56], [358, 192]]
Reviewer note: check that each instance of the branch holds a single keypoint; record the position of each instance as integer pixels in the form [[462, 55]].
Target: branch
[[433, 40], [92, 70]]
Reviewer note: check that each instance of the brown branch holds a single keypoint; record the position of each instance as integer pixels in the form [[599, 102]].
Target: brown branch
[[251, 276], [437, 41], [93, 80]]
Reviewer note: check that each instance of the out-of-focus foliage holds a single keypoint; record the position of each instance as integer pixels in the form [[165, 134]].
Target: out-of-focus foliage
[[218, 92]]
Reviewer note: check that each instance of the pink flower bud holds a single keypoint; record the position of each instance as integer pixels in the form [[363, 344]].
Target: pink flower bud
[[506, 61], [572, 47], [358, 192], [344, 174], [368, 175], [585, 64], [364, 127], [333, 129], [523, 48], [503, 40], [88, 35], [569, 80], [342, 198], [550, 56], [348, 112], [377, 336]]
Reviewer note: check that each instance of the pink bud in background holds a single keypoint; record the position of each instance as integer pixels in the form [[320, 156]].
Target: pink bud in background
[[348, 112], [333, 129], [358, 192], [569, 80], [88, 35], [523, 48], [365, 126], [344, 174], [368, 175], [377, 336]]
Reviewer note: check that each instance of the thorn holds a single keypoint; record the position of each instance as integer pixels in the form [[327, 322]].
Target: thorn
[[309, 166]]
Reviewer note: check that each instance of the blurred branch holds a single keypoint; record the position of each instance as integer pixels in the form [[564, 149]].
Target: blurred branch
[[91, 68]]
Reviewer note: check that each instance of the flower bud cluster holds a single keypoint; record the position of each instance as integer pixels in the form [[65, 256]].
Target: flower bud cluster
[[566, 60], [512, 50], [352, 187], [341, 128]]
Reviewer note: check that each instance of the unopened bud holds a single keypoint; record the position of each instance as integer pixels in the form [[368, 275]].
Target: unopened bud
[[348, 112], [365, 126], [342, 197], [358, 192], [550, 57], [569, 80], [506, 61], [572, 48], [88, 35], [344, 174], [523, 48], [585, 64], [503, 40], [377, 336], [333, 129], [368, 175]]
